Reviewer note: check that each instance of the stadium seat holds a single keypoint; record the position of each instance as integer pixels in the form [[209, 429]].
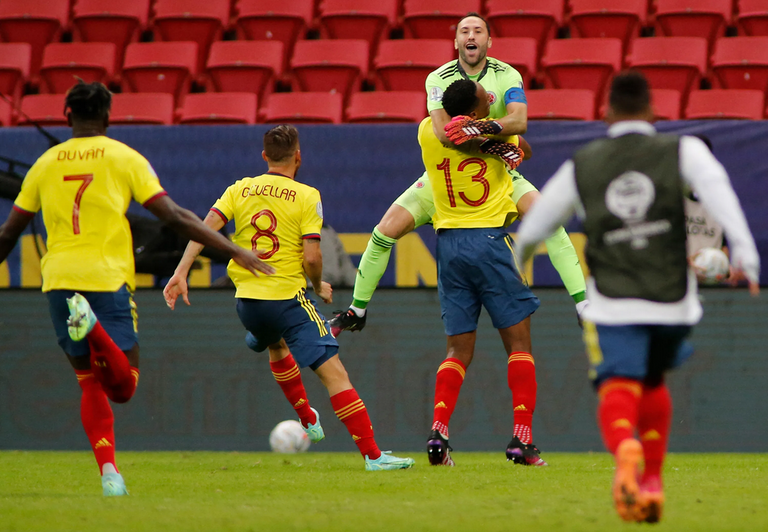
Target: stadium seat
[[6, 114], [115, 21], [608, 18], [676, 63], [582, 63], [303, 108], [387, 106], [741, 63], [666, 104], [693, 18], [245, 66], [561, 104], [219, 108], [142, 109], [403, 65], [518, 52], [200, 21], [753, 17], [45, 109], [63, 62], [160, 67], [358, 19], [522, 18], [435, 19], [14, 67], [285, 21], [37, 22], [330, 65], [726, 104]]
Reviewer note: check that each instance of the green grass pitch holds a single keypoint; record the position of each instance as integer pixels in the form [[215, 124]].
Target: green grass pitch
[[207, 491]]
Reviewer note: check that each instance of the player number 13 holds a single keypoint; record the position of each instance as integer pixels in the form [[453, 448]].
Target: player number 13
[[479, 177]]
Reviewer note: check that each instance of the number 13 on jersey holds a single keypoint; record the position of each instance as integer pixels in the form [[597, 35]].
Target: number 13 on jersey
[[479, 177]]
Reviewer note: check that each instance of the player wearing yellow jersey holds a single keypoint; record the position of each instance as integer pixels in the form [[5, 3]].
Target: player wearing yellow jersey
[[83, 187], [476, 268], [283, 218]]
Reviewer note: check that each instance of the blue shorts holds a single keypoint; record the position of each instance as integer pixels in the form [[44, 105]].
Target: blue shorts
[[116, 312], [296, 320], [635, 351], [476, 267]]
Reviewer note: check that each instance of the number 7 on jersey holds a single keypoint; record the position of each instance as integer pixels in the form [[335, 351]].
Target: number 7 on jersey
[[86, 179]]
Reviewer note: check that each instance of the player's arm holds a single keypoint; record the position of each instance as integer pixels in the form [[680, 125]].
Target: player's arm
[[313, 267], [11, 230], [527, 150]]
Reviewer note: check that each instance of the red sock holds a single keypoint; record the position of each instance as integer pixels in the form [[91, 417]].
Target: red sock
[[618, 410], [351, 411], [450, 377], [288, 376], [98, 420], [653, 426], [110, 365], [521, 377]]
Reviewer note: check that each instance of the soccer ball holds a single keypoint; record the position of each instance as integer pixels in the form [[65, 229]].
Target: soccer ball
[[712, 265], [289, 437]]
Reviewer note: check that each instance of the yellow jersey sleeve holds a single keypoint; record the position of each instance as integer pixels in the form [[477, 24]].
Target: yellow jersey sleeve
[[143, 180], [225, 206], [312, 216], [29, 197]]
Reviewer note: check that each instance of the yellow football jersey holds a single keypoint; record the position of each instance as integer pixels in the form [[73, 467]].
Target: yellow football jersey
[[273, 214], [469, 190], [84, 187]]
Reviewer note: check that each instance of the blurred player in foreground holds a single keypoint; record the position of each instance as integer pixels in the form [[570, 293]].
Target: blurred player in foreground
[[286, 217], [628, 189], [84, 187], [476, 268]]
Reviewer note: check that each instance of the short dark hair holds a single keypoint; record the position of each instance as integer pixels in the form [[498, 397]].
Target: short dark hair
[[460, 98], [281, 142], [630, 93], [478, 15], [88, 101]]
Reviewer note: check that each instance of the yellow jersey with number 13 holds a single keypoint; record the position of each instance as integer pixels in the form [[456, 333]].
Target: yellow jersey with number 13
[[469, 190], [84, 187], [273, 214]]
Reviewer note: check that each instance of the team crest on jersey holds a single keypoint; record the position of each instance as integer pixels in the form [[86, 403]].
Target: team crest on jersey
[[319, 209], [436, 94], [419, 184], [492, 97], [629, 196]]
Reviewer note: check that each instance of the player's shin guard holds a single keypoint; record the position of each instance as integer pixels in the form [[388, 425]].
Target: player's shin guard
[[351, 411], [288, 376], [372, 266], [98, 420], [450, 377], [109, 364], [521, 377], [618, 410], [653, 426]]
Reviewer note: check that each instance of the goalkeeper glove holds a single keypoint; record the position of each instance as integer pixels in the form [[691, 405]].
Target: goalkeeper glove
[[462, 128], [509, 153]]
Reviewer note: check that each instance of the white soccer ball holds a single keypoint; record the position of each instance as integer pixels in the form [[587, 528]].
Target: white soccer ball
[[712, 265], [289, 437]]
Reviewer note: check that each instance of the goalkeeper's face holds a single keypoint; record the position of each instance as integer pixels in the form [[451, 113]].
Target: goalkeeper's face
[[472, 41]]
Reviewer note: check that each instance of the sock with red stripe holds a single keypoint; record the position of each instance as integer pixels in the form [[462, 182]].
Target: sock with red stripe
[[98, 420], [288, 376], [110, 366], [653, 426], [617, 412], [351, 411], [450, 377], [521, 377]]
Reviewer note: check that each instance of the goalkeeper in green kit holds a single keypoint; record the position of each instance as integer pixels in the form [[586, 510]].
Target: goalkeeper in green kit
[[415, 207]]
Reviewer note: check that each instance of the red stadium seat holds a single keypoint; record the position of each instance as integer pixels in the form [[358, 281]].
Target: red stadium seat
[[523, 18], [383, 107], [358, 19], [753, 17], [285, 21], [518, 52], [330, 65], [115, 21], [14, 67], [726, 104], [693, 18], [435, 19], [676, 63], [741, 63], [219, 108], [63, 62], [666, 104], [160, 67], [142, 109], [303, 108], [45, 109], [561, 104], [37, 22], [6, 114], [582, 63], [403, 65], [608, 18], [245, 66]]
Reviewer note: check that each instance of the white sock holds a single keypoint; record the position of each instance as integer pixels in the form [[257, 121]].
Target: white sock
[[359, 312], [108, 468]]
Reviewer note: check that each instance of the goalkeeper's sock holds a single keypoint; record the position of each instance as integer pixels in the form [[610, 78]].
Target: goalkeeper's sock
[[351, 411], [450, 377], [288, 376], [98, 419], [521, 377], [653, 426], [563, 256], [618, 410], [372, 266], [358, 310]]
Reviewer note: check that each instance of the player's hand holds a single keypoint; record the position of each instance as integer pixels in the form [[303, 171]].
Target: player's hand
[[251, 262], [509, 153], [177, 286], [324, 292], [737, 275], [580, 306], [462, 128]]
